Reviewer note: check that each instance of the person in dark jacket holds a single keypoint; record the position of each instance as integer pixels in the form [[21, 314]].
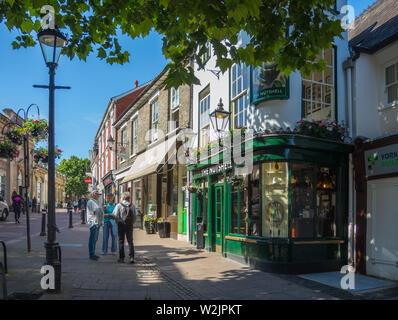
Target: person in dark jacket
[[16, 205], [34, 204], [125, 215]]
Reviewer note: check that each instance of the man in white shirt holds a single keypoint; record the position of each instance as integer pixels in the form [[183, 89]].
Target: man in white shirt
[[95, 218]]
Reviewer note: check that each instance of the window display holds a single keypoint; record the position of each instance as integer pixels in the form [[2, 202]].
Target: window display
[[254, 203], [275, 199], [313, 201]]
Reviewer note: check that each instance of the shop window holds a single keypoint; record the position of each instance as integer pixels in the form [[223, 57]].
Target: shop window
[[234, 209], [205, 205], [244, 208], [174, 192], [275, 200], [318, 90], [254, 204], [151, 194], [239, 208], [137, 194], [313, 201]]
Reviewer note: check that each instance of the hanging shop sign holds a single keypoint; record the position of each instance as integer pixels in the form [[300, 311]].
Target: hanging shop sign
[[268, 83], [88, 180], [217, 169], [382, 160]]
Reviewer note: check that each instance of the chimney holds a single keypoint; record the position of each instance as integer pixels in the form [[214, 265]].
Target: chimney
[[135, 83]]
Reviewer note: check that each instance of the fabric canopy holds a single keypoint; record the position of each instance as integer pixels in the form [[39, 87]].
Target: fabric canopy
[[147, 162]]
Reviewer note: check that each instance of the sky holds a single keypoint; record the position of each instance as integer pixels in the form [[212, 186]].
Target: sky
[[78, 112]]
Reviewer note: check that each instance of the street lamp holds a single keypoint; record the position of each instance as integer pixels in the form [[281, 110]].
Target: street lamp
[[219, 119], [51, 42]]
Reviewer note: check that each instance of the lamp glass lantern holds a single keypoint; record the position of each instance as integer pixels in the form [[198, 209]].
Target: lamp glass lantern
[[219, 118], [51, 42]]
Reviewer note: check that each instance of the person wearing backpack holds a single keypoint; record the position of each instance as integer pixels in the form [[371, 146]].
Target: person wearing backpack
[[125, 214]]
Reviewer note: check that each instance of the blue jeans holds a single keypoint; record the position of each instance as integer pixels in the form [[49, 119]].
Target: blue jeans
[[92, 241], [109, 227]]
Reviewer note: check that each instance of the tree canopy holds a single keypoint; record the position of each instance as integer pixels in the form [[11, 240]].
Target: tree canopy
[[75, 170], [292, 32]]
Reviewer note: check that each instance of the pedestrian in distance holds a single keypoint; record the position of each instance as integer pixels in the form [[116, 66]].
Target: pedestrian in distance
[[125, 214], [34, 204], [95, 219], [16, 205], [110, 226], [75, 204]]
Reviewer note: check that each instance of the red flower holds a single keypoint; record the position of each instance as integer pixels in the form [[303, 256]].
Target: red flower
[[59, 150], [37, 121]]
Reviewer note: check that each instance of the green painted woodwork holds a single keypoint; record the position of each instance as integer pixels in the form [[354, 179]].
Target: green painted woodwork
[[283, 148]]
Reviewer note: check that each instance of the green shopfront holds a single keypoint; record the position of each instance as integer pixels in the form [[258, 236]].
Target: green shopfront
[[288, 214]]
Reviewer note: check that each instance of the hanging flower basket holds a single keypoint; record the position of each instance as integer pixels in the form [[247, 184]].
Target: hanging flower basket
[[15, 135], [8, 149], [38, 129], [234, 180], [41, 155], [321, 129]]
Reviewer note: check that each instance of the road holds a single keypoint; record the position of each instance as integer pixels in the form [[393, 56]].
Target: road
[[11, 232]]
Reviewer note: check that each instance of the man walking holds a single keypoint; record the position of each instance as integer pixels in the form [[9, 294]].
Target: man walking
[[125, 214], [95, 218]]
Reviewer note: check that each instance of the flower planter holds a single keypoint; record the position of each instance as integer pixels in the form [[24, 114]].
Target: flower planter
[[149, 227], [164, 229]]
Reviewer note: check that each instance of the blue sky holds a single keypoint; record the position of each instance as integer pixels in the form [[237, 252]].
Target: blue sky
[[79, 111]]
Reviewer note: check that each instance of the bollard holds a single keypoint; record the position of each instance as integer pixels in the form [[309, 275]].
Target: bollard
[[43, 223], [83, 214], [70, 217]]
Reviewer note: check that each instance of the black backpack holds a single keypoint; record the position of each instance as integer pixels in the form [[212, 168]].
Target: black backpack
[[128, 216]]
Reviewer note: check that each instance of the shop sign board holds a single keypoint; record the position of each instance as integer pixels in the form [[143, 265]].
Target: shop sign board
[[217, 169], [268, 83], [383, 160]]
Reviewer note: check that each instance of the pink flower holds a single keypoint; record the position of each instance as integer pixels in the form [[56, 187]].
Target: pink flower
[[59, 150], [37, 121], [309, 127]]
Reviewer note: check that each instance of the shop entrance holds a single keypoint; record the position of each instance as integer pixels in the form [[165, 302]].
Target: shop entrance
[[218, 215]]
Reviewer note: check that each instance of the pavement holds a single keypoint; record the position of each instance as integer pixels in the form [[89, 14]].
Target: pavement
[[165, 269]]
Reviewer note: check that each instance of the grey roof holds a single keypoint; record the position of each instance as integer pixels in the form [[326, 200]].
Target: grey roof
[[376, 27]]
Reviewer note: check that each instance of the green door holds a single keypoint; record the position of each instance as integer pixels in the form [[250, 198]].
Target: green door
[[218, 214]]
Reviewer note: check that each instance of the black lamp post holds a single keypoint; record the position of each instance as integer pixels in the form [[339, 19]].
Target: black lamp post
[[219, 119], [51, 42]]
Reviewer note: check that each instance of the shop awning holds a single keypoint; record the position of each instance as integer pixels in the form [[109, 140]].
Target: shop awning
[[148, 162], [122, 174]]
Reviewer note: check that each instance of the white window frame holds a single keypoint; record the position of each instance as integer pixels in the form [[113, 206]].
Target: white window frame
[[324, 85], [174, 98], [134, 136], [241, 92], [392, 84], [207, 55], [154, 121]]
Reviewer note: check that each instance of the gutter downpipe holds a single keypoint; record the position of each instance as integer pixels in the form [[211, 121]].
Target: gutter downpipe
[[348, 67], [190, 173]]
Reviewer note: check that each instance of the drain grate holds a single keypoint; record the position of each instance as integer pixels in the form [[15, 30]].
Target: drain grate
[[181, 290]]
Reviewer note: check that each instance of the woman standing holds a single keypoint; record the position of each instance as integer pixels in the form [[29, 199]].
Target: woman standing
[[16, 205], [110, 225]]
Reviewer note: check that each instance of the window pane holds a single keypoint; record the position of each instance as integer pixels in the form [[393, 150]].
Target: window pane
[[329, 75], [306, 90], [302, 199], [328, 56], [390, 74], [255, 218], [392, 93], [234, 209], [244, 208], [275, 200]]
